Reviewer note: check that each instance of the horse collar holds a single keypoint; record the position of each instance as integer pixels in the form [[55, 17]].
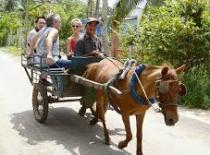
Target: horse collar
[[133, 87]]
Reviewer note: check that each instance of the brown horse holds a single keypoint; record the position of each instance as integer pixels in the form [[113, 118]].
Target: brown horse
[[159, 82]]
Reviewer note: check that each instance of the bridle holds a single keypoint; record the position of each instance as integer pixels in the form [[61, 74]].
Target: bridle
[[159, 85]]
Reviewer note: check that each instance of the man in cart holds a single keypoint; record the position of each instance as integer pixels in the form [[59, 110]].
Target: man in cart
[[47, 41], [40, 22]]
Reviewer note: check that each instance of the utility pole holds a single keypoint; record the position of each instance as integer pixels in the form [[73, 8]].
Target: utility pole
[[97, 8], [105, 40], [90, 8]]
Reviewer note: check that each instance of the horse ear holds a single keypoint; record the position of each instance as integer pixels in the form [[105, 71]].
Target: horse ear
[[164, 71], [183, 90], [180, 69]]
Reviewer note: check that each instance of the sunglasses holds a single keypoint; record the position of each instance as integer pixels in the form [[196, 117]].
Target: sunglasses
[[75, 26]]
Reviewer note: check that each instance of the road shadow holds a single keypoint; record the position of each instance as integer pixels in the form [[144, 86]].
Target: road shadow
[[64, 126]]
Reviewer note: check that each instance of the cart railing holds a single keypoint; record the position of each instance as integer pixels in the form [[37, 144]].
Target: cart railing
[[34, 70]]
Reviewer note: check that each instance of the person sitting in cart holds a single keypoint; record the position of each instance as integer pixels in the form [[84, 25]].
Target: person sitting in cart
[[48, 46], [76, 26], [89, 45], [40, 22]]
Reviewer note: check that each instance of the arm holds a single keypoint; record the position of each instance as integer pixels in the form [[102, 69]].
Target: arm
[[80, 48], [32, 43], [69, 49], [97, 51], [49, 42]]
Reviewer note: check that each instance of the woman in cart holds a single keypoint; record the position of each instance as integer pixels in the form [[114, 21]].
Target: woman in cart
[[76, 26]]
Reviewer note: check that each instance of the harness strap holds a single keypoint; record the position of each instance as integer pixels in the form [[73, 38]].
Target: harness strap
[[133, 87], [108, 83], [126, 68]]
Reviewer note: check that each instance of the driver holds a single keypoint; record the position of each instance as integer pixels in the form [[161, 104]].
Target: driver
[[89, 45]]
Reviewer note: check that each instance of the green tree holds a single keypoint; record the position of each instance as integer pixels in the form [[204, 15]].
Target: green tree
[[121, 10], [177, 32]]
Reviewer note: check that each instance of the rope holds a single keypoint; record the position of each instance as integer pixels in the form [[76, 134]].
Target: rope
[[154, 105]]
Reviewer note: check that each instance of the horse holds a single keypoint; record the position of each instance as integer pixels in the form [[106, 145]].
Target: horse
[[160, 83]]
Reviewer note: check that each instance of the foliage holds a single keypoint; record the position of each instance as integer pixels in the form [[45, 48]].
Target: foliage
[[177, 32], [9, 24], [14, 50], [198, 84], [26, 13], [123, 8]]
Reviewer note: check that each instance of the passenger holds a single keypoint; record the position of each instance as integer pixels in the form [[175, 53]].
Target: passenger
[[76, 25], [48, 43], [40, 22], [48, 46], [89, 45]]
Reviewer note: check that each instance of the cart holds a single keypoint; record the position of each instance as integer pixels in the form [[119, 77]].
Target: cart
[[73, 83]]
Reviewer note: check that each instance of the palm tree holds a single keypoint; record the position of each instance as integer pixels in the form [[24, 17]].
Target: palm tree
[[122, 9]]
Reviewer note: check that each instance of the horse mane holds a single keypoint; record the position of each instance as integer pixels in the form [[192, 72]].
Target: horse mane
[[155, 71]]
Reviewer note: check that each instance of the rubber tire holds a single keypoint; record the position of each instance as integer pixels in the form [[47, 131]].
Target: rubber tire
[[40, 90]]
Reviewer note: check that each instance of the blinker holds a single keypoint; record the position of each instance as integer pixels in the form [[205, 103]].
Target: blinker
[[162, 86]]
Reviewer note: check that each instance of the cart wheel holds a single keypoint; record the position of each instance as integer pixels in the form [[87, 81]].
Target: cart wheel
[[40, 102]]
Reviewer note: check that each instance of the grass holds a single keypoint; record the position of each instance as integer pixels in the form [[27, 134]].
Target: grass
[[12, 50]]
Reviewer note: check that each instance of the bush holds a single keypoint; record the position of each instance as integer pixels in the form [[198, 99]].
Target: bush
[[198, 85], [8, 26], [177, 32]]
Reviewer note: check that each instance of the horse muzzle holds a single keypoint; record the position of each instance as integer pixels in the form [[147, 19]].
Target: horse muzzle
[[170, 121], [171, 117]]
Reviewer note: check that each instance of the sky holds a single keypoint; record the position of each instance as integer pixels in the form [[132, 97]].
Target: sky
[[112, 2]]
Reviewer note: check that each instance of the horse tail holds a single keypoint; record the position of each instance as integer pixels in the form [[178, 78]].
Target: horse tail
[[91, 71]]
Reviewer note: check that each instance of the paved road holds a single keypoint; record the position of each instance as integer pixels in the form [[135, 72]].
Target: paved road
[[65, 133]]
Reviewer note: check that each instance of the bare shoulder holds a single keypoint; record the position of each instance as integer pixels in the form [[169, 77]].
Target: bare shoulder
[[53, 33], [69, 38], [54, 30]]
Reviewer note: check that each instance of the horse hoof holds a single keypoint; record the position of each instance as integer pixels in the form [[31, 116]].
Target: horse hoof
[[122, 144], [107, 139], [94, 121]]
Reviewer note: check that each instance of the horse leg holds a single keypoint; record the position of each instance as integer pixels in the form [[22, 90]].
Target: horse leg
[[139, 124], [101, 112], [126, 122]]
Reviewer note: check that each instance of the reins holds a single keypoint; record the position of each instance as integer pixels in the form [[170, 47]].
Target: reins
[[153, 105]]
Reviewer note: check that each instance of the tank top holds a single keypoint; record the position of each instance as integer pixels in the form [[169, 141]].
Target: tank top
[[41, 45], [72, 44]]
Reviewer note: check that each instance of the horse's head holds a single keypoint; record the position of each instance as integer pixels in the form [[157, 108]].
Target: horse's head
[[169, 91]]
